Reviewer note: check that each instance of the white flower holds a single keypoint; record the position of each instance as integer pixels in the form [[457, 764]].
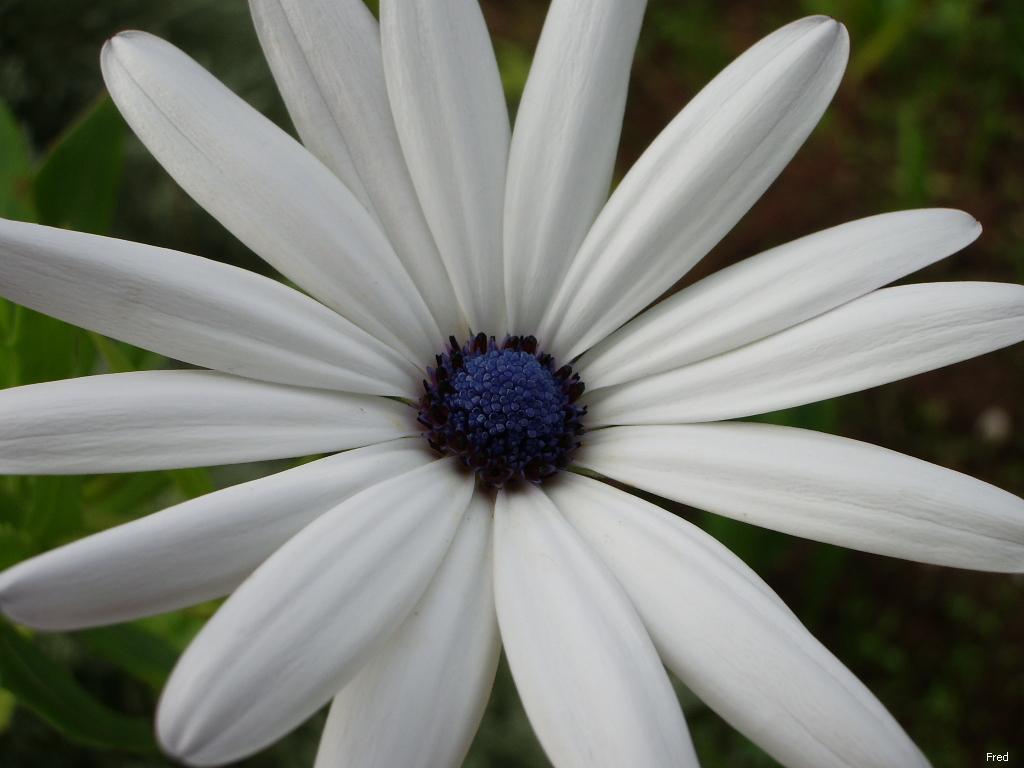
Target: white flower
[[410, 215]]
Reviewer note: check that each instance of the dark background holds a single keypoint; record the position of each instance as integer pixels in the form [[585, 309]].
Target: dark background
[[930, 113]]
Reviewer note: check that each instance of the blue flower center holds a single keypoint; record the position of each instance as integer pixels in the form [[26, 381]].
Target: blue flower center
[[506, 410]]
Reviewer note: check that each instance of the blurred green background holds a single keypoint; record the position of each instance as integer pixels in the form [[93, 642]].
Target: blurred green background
[[931, 113]]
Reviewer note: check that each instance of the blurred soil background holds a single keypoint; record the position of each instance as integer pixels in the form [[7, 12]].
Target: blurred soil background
[[930, 113]]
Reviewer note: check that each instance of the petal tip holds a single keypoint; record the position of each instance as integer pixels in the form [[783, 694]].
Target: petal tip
[[842, 39], [127, 46], [174, 739], [960, 218], [970, 226], [824, 22], [114, 52], [120, 41], [830, 31]]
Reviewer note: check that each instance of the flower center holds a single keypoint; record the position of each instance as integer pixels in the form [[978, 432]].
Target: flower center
[[506, 410]]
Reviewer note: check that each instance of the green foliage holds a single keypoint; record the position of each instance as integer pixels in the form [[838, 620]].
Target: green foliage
[[48, 690], [15, 171], [44, 349], [515, 67], [144, 655], [77, 183]]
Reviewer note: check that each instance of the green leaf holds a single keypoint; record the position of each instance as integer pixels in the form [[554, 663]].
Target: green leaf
[[822, 416], [10, 503], [119, 357], [15, 169], [77, 183], [193, 483], [15, 203], [756, 546], [8, 330], [139, 652], [49, 690], [115, 355], [7, 703], [514, 63], [15, 546], [54, 509], [111, 499], [45, 349]]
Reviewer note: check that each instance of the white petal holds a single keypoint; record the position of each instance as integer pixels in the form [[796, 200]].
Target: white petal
[[191, 552], [820, 487], [417, 703], [317, 108], [564, 145], [130, 422], [325, 55], [587, 672], [266, 189], [305, 621], [195, 310], [696, 180], [887, 335], [776, 290], [450, 112], [731, 641]]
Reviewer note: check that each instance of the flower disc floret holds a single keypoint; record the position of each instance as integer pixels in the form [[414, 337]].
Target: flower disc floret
[[506, 410]]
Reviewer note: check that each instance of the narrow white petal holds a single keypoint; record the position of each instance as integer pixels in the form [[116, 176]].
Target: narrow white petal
[[264, 187], [191, 552], [776, 290], [307, 619], [564, 145], [586, 669], [820, 487], [130, 422], [315, 107], [887, 335], [192, 309], [696, 180], [729, 638], [417, 703], [326, 58], [450, 112]]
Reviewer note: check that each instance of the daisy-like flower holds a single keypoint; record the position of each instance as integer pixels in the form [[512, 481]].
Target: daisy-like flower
[[461, 282]]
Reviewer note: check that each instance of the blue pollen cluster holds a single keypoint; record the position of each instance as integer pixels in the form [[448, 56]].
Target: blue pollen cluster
[[505, 410]]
